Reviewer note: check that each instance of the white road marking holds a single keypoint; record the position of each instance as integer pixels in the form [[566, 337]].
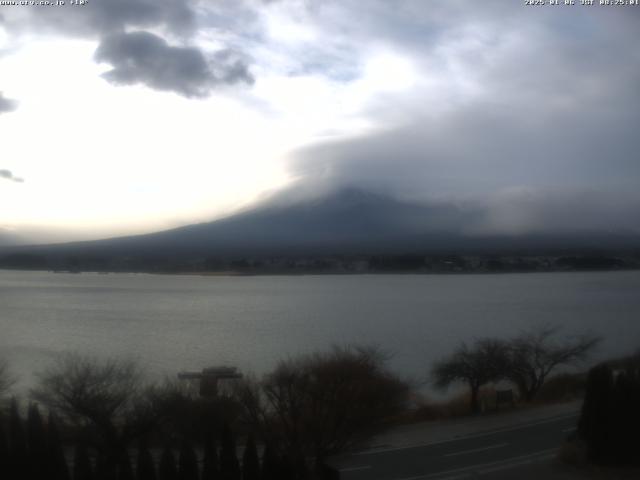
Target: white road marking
[[465, 437], [482, 449], [568, 430], [355, 469], [491, 466]]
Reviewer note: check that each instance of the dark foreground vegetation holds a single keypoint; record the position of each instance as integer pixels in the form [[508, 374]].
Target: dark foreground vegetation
[[105, 421], [326, 264], [120, 428], [607, 432], [525, 361]]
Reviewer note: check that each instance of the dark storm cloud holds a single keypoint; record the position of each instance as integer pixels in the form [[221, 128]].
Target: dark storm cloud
[[480, 149], [230, 66], [506, 181], [164, 60], [8, 175], [558, 210], [6, 104], [142, 57]]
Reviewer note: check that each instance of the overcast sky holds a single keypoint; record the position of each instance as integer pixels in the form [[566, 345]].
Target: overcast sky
[[137, 115]]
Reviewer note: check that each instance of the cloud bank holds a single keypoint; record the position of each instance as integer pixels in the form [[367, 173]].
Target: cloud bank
[[148, 42], [142, 57], [527, 118], [6, 104], [8, 175]]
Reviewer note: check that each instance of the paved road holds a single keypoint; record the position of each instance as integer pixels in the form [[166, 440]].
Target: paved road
[[460, 457]]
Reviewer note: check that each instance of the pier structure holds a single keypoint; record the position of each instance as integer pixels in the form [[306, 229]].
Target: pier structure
[[208, 378]]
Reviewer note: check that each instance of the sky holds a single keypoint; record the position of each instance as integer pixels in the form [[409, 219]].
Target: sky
[[128, 116]]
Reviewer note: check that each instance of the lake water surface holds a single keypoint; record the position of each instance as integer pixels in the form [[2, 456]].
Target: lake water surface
[[176, 322]]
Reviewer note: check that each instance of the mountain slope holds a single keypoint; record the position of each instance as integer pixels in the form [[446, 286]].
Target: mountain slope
[[9, 239], [347, 221]]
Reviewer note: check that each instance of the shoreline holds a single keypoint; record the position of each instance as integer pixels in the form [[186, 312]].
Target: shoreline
[[296, 273]]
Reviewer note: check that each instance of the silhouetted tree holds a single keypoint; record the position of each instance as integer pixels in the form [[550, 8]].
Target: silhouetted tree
[[58, 468], [37, 443], [188, 462], [324, 403], [610, 421], [107, 395], [82, 463], [287, 468], [594, 424], [229, 465], [106, 468], [485, 361], [179, 413], [18, 456], [146, 469], [167, 470], [624, 421], [270, 464], [250, 460], [125, 471], [4, 452], [535, 354], [210, 464]]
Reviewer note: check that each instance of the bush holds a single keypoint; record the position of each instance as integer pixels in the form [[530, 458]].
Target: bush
[[229, 465], [322, 404], [18, 461], [176, 411], [610, 420], [146, 468], [82, 469], [105, 396], [167, 469], [210, 464], [37, 443], [188, 462], [250, 461], [562, 387], [58, 468]]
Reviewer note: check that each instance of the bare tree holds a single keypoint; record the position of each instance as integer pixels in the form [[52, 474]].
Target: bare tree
[[535, 354], [483, 362], [105, 396], [325, 403]]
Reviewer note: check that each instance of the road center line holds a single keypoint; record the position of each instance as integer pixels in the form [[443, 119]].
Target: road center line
[[464, 452], [355, 469]]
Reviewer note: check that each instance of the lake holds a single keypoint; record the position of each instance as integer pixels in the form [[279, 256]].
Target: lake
[[177, 322]]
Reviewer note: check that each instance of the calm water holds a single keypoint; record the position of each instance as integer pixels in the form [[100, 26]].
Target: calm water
[[172, 323]]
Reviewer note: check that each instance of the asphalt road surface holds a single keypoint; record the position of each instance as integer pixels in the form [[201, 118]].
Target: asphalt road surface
[[459, 458]]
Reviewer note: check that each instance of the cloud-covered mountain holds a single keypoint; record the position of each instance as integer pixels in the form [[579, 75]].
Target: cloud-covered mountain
[[348, 221], [345, 221], [8, 238]]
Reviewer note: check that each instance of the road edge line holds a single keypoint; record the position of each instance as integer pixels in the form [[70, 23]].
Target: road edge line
[[465, 437]]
